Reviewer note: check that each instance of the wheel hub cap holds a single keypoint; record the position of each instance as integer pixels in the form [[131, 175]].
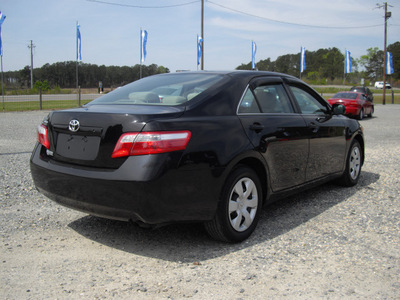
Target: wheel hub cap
[[355, 163], [243, 203]]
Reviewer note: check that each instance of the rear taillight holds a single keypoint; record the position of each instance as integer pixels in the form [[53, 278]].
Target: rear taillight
[[353, 103], [143, 143], [43, 137]]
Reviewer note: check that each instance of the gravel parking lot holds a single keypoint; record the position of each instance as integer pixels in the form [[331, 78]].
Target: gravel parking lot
[[329, 242]]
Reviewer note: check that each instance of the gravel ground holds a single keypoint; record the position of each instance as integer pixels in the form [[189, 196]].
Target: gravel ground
[[329, 242]]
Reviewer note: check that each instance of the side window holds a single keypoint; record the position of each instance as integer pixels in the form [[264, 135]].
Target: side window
[[273, 99], [248, 105], [307, 103], [266, 99]]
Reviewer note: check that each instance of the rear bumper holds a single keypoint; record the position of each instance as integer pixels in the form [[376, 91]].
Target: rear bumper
[[170, 195]]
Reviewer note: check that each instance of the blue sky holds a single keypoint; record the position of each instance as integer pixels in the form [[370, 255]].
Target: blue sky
[[110, 33]]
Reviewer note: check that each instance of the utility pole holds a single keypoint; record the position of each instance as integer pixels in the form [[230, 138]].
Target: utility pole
[[387, 16], [202, 34], [31, 46]]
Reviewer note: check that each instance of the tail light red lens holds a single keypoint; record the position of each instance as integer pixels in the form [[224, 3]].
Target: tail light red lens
[[43, 137], [143, 143], [354, 103]]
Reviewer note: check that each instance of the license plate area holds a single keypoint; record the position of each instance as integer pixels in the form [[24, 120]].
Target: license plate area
[[78, 146]]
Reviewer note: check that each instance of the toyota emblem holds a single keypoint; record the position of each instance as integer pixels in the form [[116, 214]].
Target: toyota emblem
[[74, 125]]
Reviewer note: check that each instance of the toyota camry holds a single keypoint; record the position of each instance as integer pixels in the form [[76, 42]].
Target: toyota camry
[[210, 147]]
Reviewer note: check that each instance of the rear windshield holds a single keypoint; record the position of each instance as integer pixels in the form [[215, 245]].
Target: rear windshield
[[165, 89], [346, 95], [358, 89]]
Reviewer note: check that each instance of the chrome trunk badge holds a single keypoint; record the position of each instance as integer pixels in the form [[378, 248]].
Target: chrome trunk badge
[[74, 125]]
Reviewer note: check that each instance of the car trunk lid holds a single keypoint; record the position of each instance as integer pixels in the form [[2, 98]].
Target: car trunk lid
[[87, 136]]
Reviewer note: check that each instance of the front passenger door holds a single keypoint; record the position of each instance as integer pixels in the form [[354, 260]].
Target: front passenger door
[[326, 132]]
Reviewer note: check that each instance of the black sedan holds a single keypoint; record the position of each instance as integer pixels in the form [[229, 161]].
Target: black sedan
[[363, 90], [215, 149]]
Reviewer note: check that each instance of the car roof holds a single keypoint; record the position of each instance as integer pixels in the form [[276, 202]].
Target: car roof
[[241, 73]]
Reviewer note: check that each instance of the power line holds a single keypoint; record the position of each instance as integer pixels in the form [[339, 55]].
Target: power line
[[236, 11], [141, 6], [290, 23]]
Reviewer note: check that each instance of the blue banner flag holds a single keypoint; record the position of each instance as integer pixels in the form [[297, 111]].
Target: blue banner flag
[[199, 48], [2, 18], [253, 54], [347, 62], [389, 63], [78, 43], [143, 43], [302, 59]]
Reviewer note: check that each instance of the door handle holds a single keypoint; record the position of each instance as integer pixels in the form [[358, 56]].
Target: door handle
[[257, 127]]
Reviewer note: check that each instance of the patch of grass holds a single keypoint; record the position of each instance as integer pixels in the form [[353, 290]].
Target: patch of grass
[[388, 98], [328, 90], [378, 98], [388, 91], [56, 90], [334, 90], [35, 105]]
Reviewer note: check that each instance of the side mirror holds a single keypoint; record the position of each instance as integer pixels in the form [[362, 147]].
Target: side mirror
[[338, 109]]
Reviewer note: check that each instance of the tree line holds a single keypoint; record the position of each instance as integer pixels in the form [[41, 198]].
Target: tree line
[[63, 74], [324, 66], [327, 65]]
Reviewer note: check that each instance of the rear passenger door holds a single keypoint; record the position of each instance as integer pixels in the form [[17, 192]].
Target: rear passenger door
[[275, 130], [326, 132]]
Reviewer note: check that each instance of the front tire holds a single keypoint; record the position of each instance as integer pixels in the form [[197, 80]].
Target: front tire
[[354, 161], [239, 207], [371, 113], [361, 114]]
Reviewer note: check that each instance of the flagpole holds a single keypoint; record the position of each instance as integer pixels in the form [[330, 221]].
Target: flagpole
[[202, 34], [2, 81], [384, 59], [301, 59], [197, 57], [77, 83], [2, 18], [140, 72], [344, 67], [252, 55]]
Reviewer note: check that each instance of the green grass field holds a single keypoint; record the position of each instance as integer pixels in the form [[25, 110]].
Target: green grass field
[[378, 98], [388, 99], [35, 105], [57, 104]]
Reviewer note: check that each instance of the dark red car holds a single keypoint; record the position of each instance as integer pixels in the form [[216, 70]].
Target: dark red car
[[357, 104]]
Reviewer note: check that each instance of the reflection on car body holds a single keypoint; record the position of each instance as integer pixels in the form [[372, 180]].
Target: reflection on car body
[[211, 147]]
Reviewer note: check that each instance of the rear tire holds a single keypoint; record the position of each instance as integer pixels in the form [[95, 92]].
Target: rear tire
[[354, 161], [239, 207]]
